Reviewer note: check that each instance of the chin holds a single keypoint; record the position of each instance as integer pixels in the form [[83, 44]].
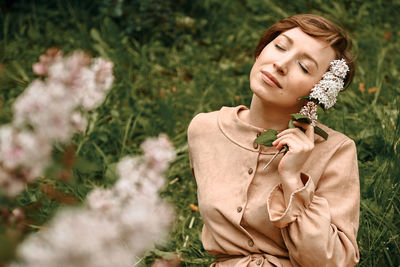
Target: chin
[[265, 99], [258, 86], [262, 90]]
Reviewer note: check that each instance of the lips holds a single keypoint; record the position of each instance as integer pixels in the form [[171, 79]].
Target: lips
[[270, 79]]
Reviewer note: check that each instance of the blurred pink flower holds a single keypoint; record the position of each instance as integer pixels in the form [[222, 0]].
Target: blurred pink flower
[[45, 60], [114, 226], [48, 109], [158, 152], [78, 122], [22, 148]]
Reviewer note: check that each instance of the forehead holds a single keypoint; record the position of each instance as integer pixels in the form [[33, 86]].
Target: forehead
[[318, 49]]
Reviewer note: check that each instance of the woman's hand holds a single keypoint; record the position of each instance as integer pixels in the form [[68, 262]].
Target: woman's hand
[[300, 146]]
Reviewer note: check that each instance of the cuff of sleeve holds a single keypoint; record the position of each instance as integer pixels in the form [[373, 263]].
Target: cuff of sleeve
[[299, 200]]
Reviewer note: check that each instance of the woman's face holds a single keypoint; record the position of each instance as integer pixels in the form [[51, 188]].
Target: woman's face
[[288, 68]]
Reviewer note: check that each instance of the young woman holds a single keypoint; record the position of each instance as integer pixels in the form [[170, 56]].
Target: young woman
[[303, 209]]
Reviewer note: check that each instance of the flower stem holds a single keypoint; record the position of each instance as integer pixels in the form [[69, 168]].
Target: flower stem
[[276, 154]]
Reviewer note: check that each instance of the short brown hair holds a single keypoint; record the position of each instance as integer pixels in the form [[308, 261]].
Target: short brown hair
[[318, 27]]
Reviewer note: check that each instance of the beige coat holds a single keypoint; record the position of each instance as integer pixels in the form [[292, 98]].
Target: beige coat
[[246, 221]]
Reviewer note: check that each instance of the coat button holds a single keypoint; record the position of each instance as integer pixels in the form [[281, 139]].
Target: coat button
[[239, 209], [250, 171], [255, 145], [259, 261], [250, 243]]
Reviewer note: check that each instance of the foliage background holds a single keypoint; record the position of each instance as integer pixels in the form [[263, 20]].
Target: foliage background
[[174, 59]]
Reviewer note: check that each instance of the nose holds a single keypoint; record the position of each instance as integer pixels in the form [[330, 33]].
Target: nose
[[281, 67]]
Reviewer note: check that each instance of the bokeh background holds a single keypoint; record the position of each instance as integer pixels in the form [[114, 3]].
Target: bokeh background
[[176, 58]]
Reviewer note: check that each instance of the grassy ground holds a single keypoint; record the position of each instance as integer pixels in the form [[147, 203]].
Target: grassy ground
[[174, 59]]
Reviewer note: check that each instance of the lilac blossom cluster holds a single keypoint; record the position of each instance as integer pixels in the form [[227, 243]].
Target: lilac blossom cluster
[[48, 111], [310, 110], [332, 82], [116, 224]]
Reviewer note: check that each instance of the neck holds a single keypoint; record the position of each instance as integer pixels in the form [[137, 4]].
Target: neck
[[268, 117]]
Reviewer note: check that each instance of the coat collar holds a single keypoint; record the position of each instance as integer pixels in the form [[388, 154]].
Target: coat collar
[[242, 133]]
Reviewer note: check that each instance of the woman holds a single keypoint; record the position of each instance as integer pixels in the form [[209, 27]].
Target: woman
[[303, 209]]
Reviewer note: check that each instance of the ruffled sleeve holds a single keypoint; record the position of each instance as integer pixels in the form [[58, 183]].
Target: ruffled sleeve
[[299, 201], [320, 223]]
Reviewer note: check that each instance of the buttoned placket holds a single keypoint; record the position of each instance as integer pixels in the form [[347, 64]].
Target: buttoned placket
[[249, 177], [251, 174], [243, 135]]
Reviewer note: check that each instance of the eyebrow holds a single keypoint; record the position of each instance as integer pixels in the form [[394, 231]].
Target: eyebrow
[[304, 54]]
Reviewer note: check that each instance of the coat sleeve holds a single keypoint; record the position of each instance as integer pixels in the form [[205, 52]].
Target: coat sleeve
[[192, 135], [320, 223]]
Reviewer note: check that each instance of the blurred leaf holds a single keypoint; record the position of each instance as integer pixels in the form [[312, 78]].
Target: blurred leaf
[[86, 166]]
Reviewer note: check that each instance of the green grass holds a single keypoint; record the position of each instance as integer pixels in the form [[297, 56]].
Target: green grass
[[174, 59]]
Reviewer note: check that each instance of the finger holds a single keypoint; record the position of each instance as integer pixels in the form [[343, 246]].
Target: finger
[[301, 141], [294, 143], [308, 127], [288, 131], [284, 141], [293, 135], [297, 132]]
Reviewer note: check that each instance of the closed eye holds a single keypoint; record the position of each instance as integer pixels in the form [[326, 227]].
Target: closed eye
[[303, 68], [279, 47]]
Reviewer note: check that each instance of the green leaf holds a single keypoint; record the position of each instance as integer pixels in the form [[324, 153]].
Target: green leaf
[[267, 137], [321, 132], [291, 125], [87, 166], [301, 118], [306, 97]]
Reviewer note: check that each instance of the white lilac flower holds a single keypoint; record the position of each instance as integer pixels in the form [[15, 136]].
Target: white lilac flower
[[332, 82], [310, 110], [110, 230], [339, 68]]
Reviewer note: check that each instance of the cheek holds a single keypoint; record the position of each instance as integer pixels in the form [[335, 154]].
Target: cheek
[[253, 71], [303, 86]]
